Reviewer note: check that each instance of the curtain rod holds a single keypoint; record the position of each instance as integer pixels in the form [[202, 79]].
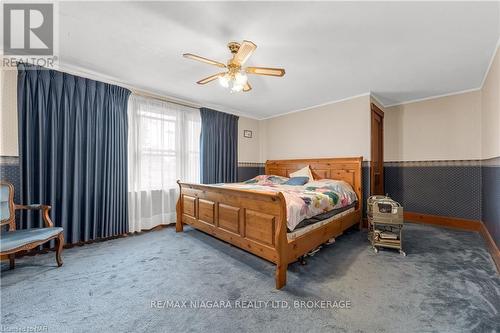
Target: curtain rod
[[99, 77]]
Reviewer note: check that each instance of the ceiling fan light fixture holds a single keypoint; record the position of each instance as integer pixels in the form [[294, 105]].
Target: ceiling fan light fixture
[[240, 78], [224, 80], [236, 79], [237, 87]]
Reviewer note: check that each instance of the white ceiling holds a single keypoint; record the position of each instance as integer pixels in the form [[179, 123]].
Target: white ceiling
[[400, 51]]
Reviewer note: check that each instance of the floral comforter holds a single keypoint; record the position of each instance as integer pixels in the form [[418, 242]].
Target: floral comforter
[[303, 201]]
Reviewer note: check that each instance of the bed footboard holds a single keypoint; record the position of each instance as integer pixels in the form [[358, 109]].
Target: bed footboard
[[252, 221]]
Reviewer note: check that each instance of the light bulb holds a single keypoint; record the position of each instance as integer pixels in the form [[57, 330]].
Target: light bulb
[[237, 87], [224, 80], [241, 78]]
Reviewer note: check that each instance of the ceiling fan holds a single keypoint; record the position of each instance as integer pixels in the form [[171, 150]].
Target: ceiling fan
[[235, 76]]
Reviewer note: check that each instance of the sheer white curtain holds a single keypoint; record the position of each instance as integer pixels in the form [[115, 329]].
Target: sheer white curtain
[[163, 146]]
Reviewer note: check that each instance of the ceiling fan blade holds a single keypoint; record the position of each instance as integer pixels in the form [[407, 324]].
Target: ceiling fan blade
[[265, 71], [202, 59], [210, 78], [244, 52], [247, 87]]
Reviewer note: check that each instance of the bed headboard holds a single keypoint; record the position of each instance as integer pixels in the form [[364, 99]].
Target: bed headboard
[[347, 169]]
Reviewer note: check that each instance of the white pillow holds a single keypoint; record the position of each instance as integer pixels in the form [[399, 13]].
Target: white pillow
[[304, 172]]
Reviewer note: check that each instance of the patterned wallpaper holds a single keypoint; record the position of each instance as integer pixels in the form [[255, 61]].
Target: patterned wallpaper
[[436, 189], [10, 171], [490, 203], [248, 172], [467, 189]]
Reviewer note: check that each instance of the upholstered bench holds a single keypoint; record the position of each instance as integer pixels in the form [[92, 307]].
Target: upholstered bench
[[13, 241]]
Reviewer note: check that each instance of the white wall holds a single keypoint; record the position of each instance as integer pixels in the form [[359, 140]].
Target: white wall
[[445, 128], [8, 114], [340, 129], [490, 99], [249, 148]]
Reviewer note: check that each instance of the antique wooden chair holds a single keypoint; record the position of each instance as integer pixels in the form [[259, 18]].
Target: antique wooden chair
[[13, 240]]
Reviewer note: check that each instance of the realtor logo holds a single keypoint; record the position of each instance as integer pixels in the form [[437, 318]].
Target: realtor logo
[[28, 29]]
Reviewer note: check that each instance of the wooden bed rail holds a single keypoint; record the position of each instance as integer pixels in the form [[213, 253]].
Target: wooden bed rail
[[252, 221]]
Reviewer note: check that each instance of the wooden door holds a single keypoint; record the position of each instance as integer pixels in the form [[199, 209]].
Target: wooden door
[[377, 151]]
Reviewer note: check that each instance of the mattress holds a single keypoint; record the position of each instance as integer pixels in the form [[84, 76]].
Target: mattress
[[323, 216], [319, 220]]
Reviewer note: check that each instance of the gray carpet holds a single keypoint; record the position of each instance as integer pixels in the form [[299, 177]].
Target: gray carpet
[[447, 283]]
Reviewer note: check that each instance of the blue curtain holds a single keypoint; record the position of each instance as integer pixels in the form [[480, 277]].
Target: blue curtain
[[73, 152], [218, 147]]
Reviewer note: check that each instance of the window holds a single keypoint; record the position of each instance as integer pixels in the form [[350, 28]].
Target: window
[[164, 140], [166, 145]]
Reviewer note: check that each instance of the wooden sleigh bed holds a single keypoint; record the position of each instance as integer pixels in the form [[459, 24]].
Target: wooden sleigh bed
[[256, 221]]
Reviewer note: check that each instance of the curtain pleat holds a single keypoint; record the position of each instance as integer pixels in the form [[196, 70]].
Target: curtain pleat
[[218, 147], [73, 152]]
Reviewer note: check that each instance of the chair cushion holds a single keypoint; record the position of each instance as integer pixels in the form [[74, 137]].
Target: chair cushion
[[4, 202], [4, 192], [14, 239], [4, 210]]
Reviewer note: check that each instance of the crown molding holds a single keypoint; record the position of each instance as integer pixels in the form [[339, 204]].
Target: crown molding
[[432, 97], [372, 95], [318, 105], [495, 51]]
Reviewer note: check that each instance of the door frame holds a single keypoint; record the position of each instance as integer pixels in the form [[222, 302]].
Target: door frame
[[376, 110]]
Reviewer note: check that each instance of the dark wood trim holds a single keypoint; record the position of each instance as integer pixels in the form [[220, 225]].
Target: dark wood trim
[[375, 109], [128, 234], [492, 246], [443, 221]]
